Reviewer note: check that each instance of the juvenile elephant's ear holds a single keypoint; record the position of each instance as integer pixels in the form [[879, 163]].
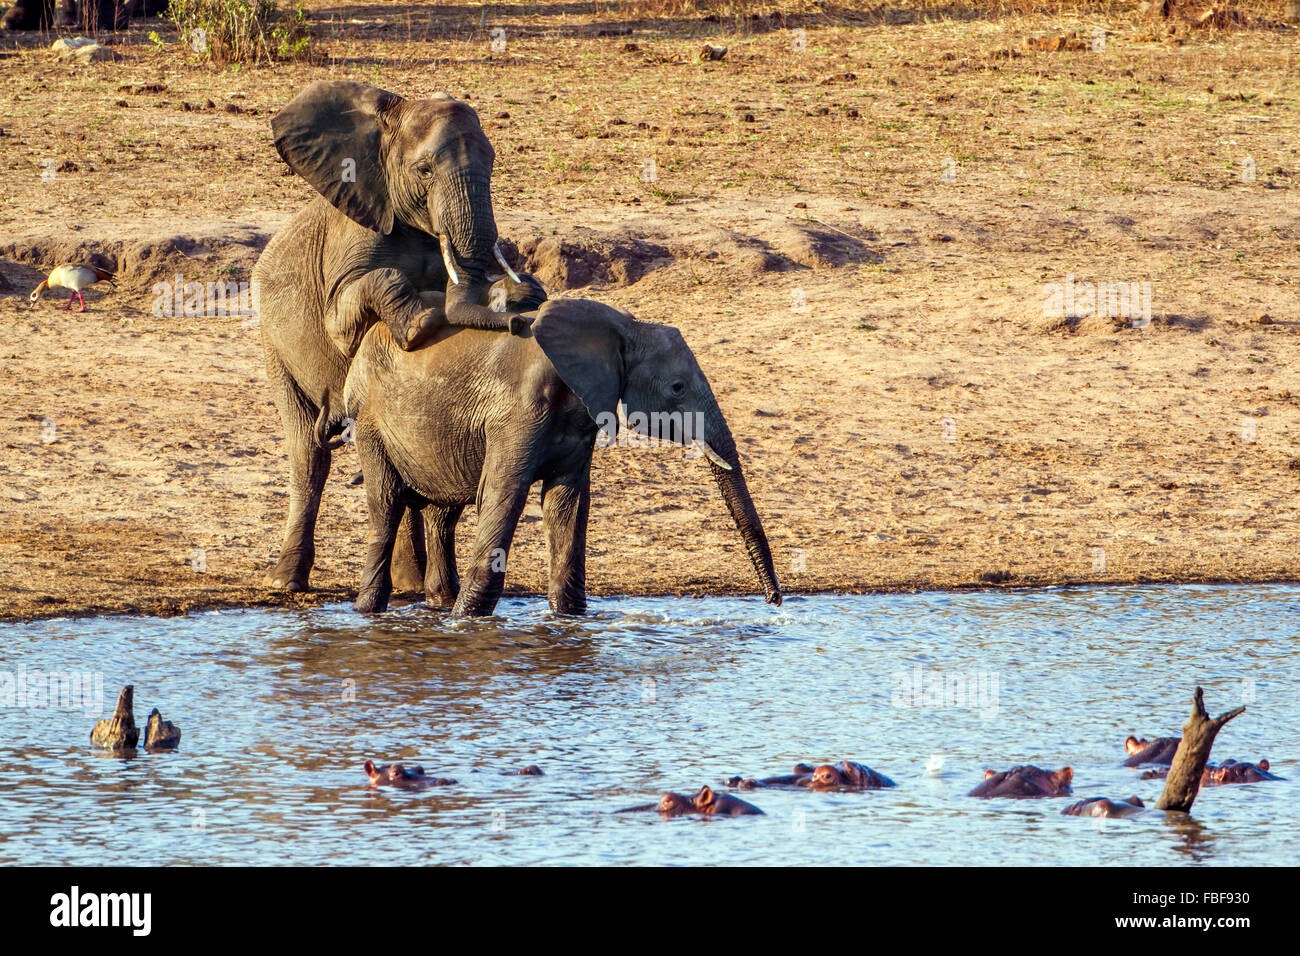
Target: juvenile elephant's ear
[[331, 134], [585, 342]]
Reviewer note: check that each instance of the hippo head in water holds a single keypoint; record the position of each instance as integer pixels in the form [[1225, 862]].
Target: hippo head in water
[[396, 775], [847, 775], [1231, 771], [1026, 781], [707, 802], [1101, 807], [1158, 751]]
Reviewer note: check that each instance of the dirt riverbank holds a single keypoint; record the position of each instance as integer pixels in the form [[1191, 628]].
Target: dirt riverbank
[[862, 241]]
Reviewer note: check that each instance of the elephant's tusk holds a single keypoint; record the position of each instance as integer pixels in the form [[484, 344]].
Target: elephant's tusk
[[712, 455], [496, 251], [446, 260]]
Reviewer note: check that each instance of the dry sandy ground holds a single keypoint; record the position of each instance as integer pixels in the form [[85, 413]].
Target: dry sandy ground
[[855, 239]]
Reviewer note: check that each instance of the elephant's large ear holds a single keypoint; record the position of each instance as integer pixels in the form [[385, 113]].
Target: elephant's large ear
[[331, 134], [585, 342]]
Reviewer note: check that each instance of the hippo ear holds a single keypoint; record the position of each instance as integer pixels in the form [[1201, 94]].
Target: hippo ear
[[370, 768], [332, 134], [1262, 765], [1133, 745], [1136, 801], [704, 797], [855, 773], [1064, 775], [990, 773]]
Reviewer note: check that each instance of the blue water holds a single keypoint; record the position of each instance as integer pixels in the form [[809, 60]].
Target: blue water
[[279, 709]]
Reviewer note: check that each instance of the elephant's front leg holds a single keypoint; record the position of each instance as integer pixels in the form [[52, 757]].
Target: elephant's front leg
[[388, 296], [385, 504], [501, 502], [565, 504], [441, 582]]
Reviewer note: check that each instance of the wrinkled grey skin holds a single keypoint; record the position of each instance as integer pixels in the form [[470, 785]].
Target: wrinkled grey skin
[[477, 417], [394, 175]]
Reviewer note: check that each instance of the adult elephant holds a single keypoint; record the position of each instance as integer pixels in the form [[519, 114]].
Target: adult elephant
[[480, 418], [405, 208]]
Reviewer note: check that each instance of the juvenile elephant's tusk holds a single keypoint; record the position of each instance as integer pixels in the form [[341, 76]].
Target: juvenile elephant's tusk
[[496, 251], [446, 260], [712, 455]]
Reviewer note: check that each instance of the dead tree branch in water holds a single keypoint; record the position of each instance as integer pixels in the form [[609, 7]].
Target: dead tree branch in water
[[1193, 754]]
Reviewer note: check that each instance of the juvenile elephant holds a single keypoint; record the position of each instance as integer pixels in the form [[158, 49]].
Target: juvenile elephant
[[479, 418], [405, 208]]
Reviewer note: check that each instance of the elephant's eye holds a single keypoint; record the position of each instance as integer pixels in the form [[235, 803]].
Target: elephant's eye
[[678, 389]]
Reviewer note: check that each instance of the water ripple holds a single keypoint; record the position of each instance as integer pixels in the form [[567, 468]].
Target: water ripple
[[280, 708]]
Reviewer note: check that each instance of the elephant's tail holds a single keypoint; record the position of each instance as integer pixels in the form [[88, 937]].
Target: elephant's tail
[[328, 424]]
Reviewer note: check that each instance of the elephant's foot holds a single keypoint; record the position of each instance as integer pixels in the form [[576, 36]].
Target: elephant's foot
[[421, 329], [372, 600], [289, 574], [568, 595], [469, 604], [576, 608], [442, 598]]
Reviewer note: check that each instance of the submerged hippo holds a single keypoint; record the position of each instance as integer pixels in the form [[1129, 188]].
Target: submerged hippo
[[1101, 807], [1158, 751], [1230, 771], [532, 770], [845, 775], [1025, 781], [706, 802], [396, 775]]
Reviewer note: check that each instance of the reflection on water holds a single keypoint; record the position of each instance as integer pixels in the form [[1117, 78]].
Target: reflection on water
[[279, 710]]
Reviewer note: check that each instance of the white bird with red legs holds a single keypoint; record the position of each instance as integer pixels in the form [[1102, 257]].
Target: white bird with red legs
[[73, 279]]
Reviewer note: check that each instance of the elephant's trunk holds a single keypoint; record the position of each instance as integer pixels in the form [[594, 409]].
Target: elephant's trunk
[[736, 494], [469, 243]]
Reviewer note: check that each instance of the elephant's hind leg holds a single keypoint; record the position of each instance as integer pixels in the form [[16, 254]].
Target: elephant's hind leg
[[441, 582], [385, 502], [410, 555], [309, 466], [565, 504]]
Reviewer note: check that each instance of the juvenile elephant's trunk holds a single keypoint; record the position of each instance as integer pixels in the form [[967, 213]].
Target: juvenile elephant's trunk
[[736, 494]]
